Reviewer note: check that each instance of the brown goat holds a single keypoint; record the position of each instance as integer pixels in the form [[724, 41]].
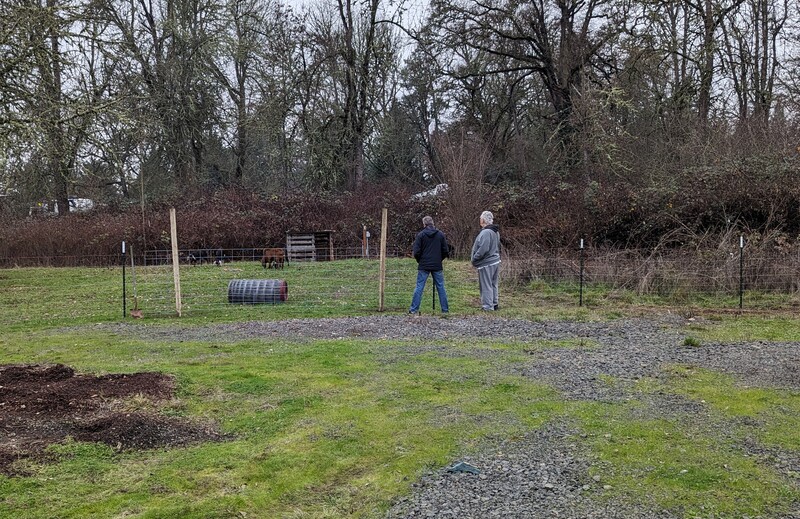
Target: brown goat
[[273, 258]]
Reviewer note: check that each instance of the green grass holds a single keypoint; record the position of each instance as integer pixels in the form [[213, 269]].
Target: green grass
[[341, 428], [748, 328], [540, 299], [691, 342], [775, 413], [318, 428], [32, 298], [684, 463], [669, 465]]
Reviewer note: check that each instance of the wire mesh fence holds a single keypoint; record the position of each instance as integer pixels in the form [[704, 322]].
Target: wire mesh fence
[[347, 282], [650, 273]]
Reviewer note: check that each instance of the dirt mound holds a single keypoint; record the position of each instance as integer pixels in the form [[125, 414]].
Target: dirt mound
[[41, 405], [142, 431]]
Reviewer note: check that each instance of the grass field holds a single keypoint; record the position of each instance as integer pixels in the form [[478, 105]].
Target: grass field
[[342, 427]]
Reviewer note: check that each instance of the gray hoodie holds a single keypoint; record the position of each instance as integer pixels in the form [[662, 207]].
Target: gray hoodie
[[486, 250]]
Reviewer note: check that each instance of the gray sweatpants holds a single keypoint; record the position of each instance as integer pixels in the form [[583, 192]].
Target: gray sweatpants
[[488, 278]]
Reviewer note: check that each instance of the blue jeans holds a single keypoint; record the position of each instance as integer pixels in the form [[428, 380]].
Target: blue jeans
[[438, 280]]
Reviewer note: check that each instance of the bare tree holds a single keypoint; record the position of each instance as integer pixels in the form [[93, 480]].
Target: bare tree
[[426, 101], [712, 15], [464, 161], [253, 63], [348, 60], [55, 86], [751, 56], [557, 40], [170, 42]]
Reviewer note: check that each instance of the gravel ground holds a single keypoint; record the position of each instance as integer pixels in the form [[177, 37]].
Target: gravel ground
[[544, 474]]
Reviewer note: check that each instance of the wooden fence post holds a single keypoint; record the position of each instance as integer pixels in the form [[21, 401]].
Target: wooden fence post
[[382, 288], [176, 271], [124, 295]]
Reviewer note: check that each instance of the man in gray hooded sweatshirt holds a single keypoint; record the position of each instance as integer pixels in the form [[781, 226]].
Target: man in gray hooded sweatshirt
[[486, 258]]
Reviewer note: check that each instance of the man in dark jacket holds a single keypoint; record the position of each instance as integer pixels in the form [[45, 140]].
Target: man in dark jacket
[[486, 258], [430, 248]]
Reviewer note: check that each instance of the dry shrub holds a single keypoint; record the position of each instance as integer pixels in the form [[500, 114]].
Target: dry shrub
[[229, 219], [554, 267], [667, 273], [463, 159], [675, 274]]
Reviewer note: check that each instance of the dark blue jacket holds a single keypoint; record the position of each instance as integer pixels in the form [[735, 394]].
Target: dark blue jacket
[[430, 248]]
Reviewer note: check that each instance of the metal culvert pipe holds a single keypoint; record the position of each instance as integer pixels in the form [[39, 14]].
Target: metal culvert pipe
[[257, 291]]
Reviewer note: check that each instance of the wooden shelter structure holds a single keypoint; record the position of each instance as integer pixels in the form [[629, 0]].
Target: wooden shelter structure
[[309, 246]]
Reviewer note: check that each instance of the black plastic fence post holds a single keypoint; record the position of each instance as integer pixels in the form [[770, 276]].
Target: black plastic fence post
[[124, 298], [741, 271], [580, 299]]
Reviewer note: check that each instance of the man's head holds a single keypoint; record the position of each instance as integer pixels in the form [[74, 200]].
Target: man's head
[[426, 221], [487, 218]]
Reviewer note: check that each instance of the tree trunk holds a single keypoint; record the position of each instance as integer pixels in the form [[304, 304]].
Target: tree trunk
[[59, 169], [707, 64], [241, 138], [355, 177]]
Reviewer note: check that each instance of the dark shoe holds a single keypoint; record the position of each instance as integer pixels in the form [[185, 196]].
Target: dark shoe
[[497, 307]]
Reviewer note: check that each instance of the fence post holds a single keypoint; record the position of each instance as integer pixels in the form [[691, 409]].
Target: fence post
[[741, 271], [580, 297], [384, 224], [124, 295], [365, 242], [176, 270]]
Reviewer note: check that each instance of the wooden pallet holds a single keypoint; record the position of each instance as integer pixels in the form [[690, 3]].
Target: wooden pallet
[[300, 247], [309, 246]]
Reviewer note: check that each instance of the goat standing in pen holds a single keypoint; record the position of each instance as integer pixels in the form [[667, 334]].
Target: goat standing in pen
[[273, 258]]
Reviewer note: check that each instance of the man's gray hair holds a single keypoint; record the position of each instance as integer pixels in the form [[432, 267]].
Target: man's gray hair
[[427, 220], [487, 217]]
